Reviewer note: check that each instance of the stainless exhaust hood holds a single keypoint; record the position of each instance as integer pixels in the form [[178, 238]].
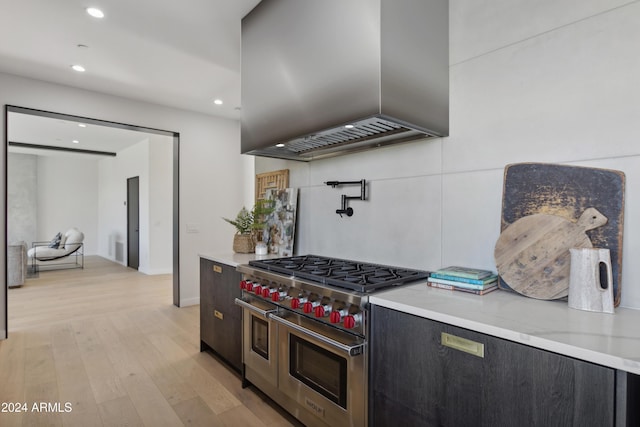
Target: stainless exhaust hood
[[327, 77]]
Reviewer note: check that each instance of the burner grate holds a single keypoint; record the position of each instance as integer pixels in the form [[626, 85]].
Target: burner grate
[[354, 275]]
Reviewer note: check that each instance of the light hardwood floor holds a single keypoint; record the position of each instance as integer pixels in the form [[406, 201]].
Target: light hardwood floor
[[104, 346]]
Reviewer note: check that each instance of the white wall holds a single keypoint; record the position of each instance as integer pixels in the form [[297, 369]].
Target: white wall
[[67, 192], [114, 172], [47, 195], [112, 216], [160, 205], [151, 161], [541, 81], [213, 175]]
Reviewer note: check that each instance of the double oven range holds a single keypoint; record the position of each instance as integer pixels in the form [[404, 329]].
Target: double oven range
[[304, 338]]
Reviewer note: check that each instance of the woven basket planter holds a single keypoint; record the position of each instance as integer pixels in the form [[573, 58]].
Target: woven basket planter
[[243, 244]]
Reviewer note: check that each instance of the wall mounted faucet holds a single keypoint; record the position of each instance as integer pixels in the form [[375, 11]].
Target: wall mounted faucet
[[344, 209]]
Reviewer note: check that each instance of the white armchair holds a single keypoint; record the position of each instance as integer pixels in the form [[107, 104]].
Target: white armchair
[[68, 254]]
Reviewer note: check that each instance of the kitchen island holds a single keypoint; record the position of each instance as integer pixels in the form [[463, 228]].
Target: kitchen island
[[500, 359]]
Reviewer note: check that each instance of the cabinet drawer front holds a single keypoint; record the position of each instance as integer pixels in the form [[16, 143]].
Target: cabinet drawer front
[[535, 387]]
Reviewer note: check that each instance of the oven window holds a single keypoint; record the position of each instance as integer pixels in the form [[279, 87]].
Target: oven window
[[260, 337], [323, 371]]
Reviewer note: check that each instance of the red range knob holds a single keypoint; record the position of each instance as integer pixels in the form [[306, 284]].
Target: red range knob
[[335, 317], [319, 311], [257, 289], [266, 292], [248, 286], [243, 283], [295, 303], [278, 296], [349, 322], [307, 307]]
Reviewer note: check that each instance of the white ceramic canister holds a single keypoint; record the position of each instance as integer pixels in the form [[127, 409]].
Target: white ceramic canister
[[589, 268], [261, 248]]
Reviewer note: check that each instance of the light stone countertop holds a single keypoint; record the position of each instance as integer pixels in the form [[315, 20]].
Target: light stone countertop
[[611, 340], [234, 259]]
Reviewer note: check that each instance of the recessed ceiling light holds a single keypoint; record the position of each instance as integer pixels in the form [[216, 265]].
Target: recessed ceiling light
[[95, 12], [217, 101], [280, 145], [78, 68], [348, 126], [75, 141], [82, 125]]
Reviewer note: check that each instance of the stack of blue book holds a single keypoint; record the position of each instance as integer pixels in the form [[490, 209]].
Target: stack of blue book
[[464, 279]]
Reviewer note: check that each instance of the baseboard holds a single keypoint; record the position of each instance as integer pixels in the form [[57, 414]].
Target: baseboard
[[112, 259], [157, 271], [189, 301]]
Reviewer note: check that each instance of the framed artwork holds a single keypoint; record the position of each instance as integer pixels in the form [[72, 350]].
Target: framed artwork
[[274, 180], [279, 232]]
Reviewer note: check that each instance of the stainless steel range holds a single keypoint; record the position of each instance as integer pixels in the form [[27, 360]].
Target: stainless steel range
[[305, 333]]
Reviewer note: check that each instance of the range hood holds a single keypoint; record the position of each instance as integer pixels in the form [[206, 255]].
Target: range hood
[[327, 77]]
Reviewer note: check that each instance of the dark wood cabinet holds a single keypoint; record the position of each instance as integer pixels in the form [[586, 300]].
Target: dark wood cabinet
[[426, 373], [220, 318]]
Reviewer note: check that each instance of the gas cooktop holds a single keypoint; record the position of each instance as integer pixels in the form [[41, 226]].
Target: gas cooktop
[[353, 275]]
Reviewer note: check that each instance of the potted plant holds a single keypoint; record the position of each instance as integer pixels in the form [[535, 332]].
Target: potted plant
[[249, 226]]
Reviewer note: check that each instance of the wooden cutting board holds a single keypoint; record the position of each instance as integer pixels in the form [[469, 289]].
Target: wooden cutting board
[[567, 191], [532, 254]]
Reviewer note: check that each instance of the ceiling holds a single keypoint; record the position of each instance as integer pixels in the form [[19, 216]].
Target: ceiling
[[182, 54], [55, 132]]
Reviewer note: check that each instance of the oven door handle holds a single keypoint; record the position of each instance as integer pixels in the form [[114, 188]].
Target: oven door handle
[[351, 350], [249, 306]]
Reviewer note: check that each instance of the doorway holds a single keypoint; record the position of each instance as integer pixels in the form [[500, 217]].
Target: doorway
[[133, 222], [79, 120]]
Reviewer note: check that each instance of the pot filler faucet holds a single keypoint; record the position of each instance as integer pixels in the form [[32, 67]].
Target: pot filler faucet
[[344, 209]]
